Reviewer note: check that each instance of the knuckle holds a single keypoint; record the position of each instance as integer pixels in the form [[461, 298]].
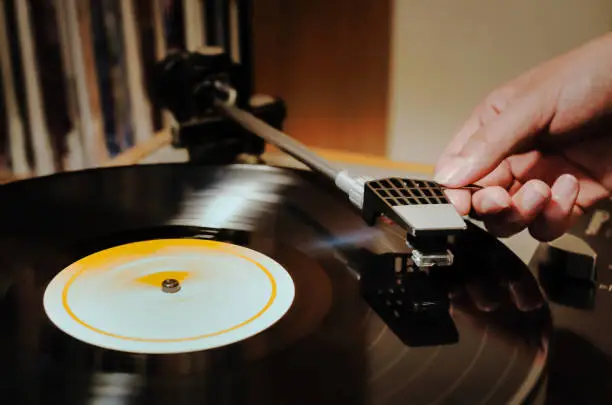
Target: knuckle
[[499, 99]]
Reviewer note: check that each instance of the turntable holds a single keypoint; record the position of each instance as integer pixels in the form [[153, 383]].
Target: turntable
[[231, 280]]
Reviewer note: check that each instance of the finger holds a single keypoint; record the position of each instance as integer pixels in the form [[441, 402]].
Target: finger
[[527, 204], [460, 199], [515, 187], [548, 168], [495, 141], [491, 200], [494, 104], [577, 212], [484, 113], [500, 176], [463, 201], [556, 217], [457, 142]]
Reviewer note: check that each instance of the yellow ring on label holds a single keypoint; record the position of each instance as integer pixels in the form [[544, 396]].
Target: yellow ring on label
[[146, 247]]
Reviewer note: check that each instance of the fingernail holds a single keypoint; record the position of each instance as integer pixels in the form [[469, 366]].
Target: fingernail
[[451, 173], [534, 196], [452, 198], [565, 189], [494, 203]]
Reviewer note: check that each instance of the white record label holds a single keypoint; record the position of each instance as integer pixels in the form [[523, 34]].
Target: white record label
[[114, 298]]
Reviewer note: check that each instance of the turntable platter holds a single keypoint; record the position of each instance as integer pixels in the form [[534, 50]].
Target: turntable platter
[[112, 237]]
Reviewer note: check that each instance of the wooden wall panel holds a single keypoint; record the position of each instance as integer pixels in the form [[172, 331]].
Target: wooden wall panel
[[329, 60]]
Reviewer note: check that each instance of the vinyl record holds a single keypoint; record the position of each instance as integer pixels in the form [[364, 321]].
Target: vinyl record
[[575, 275], [175, 284]]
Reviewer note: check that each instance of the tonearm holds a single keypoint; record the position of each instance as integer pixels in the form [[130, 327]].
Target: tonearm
[[198, 86]]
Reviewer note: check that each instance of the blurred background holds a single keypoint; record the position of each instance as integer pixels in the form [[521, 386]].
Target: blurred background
[[389, 78]]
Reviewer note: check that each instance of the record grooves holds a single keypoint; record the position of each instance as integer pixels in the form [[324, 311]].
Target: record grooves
[[349, 336]]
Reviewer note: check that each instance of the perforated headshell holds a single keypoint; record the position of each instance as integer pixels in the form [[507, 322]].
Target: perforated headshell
[[418, 205]]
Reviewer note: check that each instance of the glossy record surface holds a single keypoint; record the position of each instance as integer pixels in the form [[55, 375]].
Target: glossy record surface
[[332, 347]]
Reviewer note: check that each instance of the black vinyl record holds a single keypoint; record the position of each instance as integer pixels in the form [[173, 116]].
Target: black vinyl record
[[576, 277], [365, 327]]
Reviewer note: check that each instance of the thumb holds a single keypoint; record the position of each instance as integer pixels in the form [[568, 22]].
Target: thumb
[[485, 149]]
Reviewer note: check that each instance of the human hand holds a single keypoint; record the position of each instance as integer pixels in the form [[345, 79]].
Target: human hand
[[541, 146]]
